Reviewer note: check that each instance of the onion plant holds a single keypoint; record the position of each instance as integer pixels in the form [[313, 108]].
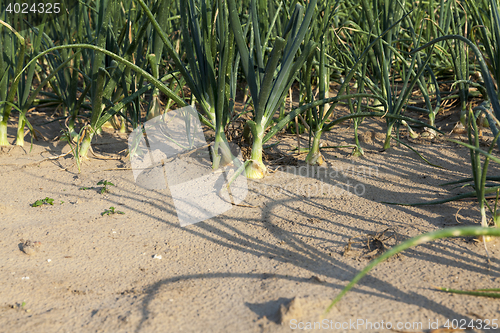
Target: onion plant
[[65, 86], [421, 26], [453, 20], [479, 174], [211, 61], [488, 81], [479, 171], [97, 114], [26, 82], [155, 58], [10, 41], [64, 79], [346, 52], [315, 115], [352, 53], [98, 73], [134, 30], [383, 56], [486, 34], [388, 60], [209, 48], [110, 81], [321, 120], [460, 55], [74, 28], [269, 85]]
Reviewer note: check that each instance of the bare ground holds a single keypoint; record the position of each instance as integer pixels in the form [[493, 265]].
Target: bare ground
[[232, 273]]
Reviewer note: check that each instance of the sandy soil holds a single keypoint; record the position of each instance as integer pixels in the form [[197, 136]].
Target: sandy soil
[[234, 272]]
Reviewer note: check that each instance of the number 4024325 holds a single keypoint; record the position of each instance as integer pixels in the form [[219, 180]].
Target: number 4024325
[[485, 324], [35, 8]]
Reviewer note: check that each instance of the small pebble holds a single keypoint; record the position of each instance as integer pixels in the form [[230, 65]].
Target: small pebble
[[156, 256]]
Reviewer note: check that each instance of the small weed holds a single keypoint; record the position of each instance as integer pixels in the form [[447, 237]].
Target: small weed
[[110, 211], [18, 306], [102, 190], [40, 202], [105, 188]]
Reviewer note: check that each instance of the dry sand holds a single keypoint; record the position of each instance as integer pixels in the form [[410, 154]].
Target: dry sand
[[237, 272]]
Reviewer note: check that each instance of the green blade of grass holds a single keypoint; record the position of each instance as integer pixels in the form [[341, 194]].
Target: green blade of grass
[[481, 292]]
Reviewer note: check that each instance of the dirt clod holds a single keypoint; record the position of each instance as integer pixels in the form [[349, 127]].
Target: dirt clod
[[290, 310], [30, 247]]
